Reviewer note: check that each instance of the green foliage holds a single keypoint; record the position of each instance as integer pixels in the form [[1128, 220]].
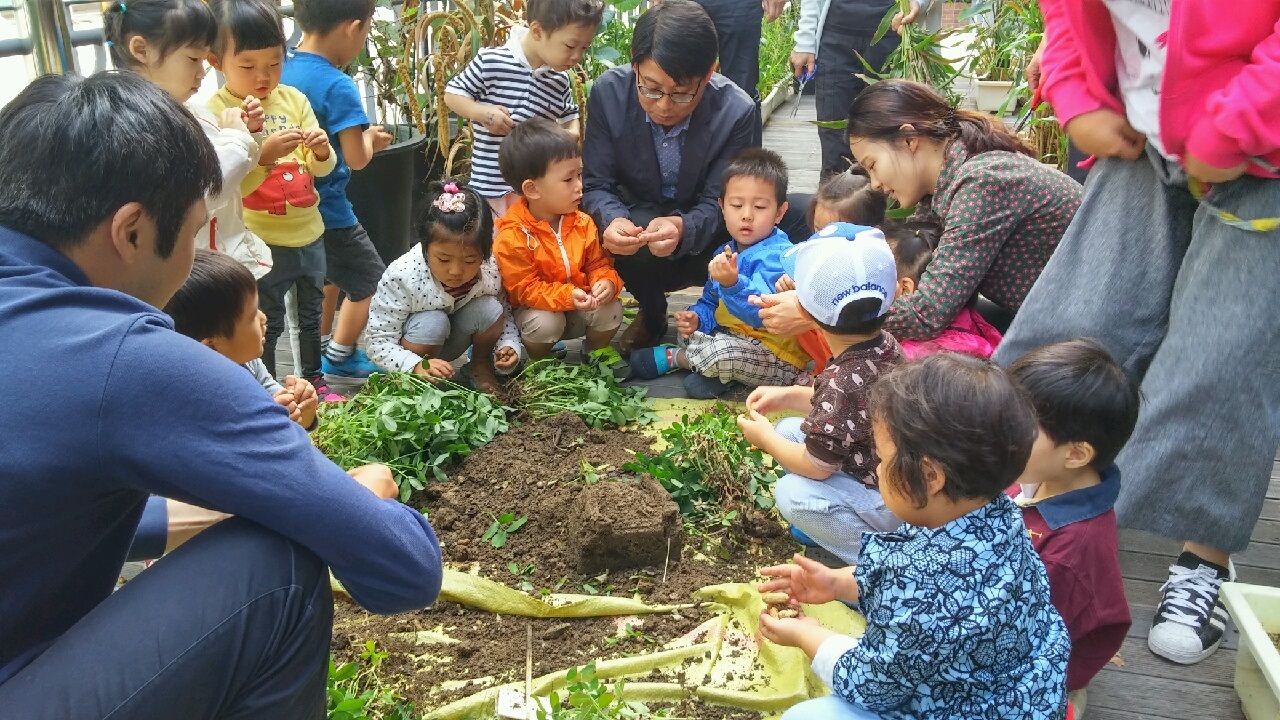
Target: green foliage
[[612, 44], [1008, 32], [358, 694], [585, 697], [409, 424], [503, 525], [709, 469], [524, 573], [590, 391], [777, 40]]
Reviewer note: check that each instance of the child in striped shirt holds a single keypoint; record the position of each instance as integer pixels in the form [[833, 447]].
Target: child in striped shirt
[[525, 78]]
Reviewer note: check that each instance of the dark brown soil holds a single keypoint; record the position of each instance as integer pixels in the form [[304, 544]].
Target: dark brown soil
[[536, 470]]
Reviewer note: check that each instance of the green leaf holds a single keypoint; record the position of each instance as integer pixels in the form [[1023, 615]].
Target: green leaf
[[518, 524], [831, 124]]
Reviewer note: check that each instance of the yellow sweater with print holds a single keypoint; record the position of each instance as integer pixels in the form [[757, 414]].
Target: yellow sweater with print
[[281, 205]]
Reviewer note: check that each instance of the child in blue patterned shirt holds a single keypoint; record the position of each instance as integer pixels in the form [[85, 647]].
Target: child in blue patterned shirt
[[959, 621]]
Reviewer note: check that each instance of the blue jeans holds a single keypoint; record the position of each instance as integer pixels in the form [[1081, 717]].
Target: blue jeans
[[834, 512], [1187, 305], [234, 623], [829, 707]]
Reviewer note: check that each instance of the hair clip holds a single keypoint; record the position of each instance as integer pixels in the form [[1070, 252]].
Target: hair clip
[[110, 44], [451, 200], [124, 8]]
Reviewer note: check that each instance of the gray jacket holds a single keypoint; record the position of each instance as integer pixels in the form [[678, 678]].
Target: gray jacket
[[620, 166]]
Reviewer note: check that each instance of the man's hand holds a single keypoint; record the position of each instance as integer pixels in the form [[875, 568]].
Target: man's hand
[[317, 141], [803, 63], [603, 291], [1106, 133], [780, 314], [496, 119], [433, 369], [285, 399], [724, 268], [378, 138], [1208, 173], [663, 235], [232, 119], [253, 114], [279, 145], [808, 581], [687, 323], [756, 428], [304, 393], [582, 300], [506, 358], [905, 18], [377, 478], [773, 9], [784, 284], [622, 237]]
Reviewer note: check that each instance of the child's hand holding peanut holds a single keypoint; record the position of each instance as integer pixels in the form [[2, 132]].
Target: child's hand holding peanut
[[379, 138], [603, 291], [253, 114], [724, 268], [687, 323], [584, 301], [506, 358], [317, 141], [433, 369], [279, 145], [304, 394]]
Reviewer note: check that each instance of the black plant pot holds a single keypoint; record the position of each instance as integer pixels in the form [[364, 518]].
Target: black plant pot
[[386, 192]]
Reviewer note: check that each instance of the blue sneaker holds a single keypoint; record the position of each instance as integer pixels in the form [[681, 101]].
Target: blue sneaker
[[357, 366], [799, 536]]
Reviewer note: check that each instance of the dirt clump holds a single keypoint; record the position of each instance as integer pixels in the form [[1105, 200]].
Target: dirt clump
[[626, 524]]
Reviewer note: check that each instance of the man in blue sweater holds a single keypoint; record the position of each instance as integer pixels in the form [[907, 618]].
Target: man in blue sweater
[[103, 183]]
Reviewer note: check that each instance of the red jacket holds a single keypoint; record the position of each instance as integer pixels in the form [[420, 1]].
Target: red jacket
[[541, 265], [1075, 535], [1220, 93]]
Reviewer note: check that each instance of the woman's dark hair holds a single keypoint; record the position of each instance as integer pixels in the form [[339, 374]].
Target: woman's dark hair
[[526, 153], [880, 111], [850, 195], [320, 17], [962, 414], [70, 158], [249, 24], [912, 243], [680, 37], [214, 297], [555, 14], [166, 24], [474, 225], [1080, 394]]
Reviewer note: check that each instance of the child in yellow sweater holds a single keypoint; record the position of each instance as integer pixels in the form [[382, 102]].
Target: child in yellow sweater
[[280, 200]]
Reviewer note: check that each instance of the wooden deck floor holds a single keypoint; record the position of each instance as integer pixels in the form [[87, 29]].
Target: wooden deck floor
[[1145, 687]]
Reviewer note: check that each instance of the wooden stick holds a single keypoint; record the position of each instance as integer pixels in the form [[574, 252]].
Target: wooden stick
[[666, 561], [528, 675]]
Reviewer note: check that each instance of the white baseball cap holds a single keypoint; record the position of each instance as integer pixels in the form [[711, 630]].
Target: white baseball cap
[[839, 264]]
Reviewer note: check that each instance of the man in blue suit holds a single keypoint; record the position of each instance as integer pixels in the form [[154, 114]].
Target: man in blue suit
[[659, 135]]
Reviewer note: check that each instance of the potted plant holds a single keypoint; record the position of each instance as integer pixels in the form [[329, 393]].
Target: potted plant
[[1006, 33], [918, 57], [777, 40], [1256, 612]]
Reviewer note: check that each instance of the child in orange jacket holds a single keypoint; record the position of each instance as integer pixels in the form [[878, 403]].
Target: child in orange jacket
[[559, 280]]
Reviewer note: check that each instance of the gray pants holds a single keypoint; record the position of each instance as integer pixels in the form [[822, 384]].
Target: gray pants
[[834, 512], [1188, 305], [452, 333]]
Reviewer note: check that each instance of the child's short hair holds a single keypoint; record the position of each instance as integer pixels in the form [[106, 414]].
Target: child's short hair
[[913, 243], [526, 153], [473, 224], [250, 24], [320, 17], [854, 320], [168, 25], [680, 37], [962, 414], [850, 195], [1080, 394], [555, 14], [214, 297], [766, 165]]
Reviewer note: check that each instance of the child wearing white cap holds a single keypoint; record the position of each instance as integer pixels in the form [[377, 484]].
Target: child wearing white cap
[[845, 278]]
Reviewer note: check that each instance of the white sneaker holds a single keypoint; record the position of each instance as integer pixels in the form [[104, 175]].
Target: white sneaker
[[1191, 619]]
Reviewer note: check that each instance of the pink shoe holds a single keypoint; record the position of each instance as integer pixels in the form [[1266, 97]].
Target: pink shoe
[[325, 395]]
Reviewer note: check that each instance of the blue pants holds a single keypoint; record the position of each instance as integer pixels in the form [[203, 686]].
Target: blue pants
[[829, 707], [234, 623]]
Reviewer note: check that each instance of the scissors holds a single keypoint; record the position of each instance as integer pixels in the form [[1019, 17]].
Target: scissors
[[1026, 114], [804, 80]]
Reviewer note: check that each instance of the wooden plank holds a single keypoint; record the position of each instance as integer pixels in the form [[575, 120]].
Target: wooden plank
[[1256, 555], [1161, 697], [1155, 567], [1217, 670]]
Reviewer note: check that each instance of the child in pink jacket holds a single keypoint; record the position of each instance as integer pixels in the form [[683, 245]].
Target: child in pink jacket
[[1172, 263]]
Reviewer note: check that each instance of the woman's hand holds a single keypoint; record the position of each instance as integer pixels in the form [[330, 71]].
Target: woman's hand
[[808, 581], [784, 284], [1205, 172], [1106, 133], [803, 63], [905, 18], [781, 314]]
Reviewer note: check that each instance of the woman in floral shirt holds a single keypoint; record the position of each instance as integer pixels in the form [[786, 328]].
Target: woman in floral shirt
[[1002, 211]]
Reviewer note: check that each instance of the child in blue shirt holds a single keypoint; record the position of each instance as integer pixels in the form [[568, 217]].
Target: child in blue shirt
[[334, 33], [959, 620], [722, 339]]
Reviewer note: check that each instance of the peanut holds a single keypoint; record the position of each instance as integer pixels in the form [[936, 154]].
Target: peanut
[[775, 598]]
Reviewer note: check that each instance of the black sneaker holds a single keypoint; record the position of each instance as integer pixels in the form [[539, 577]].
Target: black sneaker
[[1191, 619]]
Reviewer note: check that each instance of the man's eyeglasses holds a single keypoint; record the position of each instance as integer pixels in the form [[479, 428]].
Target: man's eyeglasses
[[680, 98]]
